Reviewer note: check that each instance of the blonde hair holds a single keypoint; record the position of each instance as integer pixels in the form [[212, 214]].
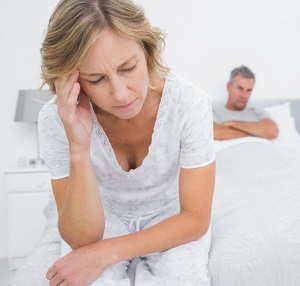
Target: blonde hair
[[75, 25]]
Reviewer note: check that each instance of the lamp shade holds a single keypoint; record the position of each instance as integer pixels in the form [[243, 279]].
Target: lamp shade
[[30, 102]]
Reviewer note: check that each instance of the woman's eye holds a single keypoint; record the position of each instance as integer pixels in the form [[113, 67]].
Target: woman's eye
[[129, 69], [96, 81], [101, 78]]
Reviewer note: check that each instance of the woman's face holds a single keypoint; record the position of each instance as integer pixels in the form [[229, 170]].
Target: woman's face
[[115, 76]]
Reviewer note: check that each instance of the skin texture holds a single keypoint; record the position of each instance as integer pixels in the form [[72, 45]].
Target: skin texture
[[239, 92], [115, 78]]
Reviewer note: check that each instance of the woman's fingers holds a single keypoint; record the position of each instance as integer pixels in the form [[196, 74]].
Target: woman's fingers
[[54, 277], [65, 85], [57, 280], [74, 110], [67, 89], [71, 85], [84, 100], [51, 272], [73, 96]]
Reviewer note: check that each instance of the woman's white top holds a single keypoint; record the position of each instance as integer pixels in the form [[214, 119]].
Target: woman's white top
[[182, 138]]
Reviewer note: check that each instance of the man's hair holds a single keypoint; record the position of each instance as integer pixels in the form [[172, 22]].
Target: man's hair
[[76, 24], [242, 71]]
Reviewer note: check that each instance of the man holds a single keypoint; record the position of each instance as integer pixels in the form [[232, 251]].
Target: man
[[235, 120]]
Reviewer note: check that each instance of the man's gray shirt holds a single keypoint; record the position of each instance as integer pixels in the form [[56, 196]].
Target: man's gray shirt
[[221, 114]]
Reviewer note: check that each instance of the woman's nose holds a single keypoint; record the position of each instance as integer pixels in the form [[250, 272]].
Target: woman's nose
[[119, 90]]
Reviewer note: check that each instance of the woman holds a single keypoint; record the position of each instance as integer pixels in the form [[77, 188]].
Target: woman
[[129, 147]]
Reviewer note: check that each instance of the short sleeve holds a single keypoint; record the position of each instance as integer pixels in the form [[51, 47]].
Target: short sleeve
[[216, 116], [196, 147], [53, 142], [261, 114]]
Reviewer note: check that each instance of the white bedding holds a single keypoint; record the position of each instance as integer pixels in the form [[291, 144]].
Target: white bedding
[[255, 220], [256, 215]]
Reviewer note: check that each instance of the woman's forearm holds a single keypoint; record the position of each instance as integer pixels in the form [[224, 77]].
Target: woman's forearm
[[169, 233], [81, 219]]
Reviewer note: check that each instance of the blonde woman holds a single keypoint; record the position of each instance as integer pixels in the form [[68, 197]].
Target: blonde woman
[[129, 147]]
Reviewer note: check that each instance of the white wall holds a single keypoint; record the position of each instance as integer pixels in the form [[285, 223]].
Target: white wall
[[205, 41], [22, 25]]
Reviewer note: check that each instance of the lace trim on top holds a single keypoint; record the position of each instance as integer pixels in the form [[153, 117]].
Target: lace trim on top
[[161, 114]]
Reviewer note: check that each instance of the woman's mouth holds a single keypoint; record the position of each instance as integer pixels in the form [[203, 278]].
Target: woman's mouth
[[125, 106]]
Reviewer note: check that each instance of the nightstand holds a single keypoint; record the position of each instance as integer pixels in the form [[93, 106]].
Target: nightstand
[[28, 191]]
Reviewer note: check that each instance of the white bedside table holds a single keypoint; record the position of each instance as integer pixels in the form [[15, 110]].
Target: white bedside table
[[28, 190]]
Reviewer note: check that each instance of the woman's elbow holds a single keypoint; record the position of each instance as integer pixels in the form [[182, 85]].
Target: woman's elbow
[[202, 231], [80, 239], [200, 228]]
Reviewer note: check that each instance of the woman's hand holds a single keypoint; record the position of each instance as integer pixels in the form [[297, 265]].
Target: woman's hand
[[76, 115], [80, 267]]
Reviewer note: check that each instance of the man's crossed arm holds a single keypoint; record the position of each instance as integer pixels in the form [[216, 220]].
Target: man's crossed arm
[[265, 128]]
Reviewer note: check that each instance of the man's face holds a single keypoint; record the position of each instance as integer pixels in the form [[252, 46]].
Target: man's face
[[239, 92]]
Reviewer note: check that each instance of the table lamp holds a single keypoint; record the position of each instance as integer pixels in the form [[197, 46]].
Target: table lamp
[[29, 104]]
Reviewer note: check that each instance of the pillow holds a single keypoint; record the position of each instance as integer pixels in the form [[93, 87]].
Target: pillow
[[287, 133]]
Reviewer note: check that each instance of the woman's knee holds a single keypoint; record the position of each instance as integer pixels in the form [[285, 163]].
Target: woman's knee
[[189, 258]]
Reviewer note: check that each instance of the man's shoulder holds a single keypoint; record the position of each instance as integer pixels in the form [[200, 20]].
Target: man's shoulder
[[222, 114], [259, 112], [219, 107], [219, 110]]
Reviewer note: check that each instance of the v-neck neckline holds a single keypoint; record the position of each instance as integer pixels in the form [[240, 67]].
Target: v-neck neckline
[[105, 142]]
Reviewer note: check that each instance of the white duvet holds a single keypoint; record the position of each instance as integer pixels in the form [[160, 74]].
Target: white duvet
[[256, 215], [255, 220]]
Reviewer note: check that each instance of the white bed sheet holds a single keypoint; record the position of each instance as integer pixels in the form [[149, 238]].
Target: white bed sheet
[[255, 220], [256, 215]]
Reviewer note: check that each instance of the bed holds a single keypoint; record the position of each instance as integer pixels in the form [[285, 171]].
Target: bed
[[255, 217]]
